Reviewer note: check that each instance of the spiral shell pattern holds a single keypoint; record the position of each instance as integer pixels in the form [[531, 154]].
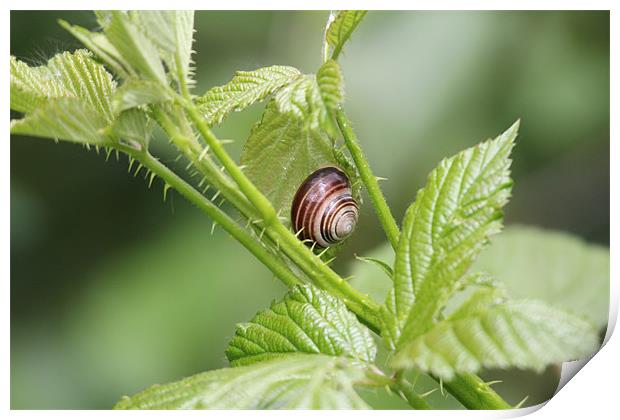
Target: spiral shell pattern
[[323, 209]]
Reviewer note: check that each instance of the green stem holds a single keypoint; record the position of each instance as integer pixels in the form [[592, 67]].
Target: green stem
[[405, 390], [370, 181], [475, 394], [362, 305], [249, 190], [181, 76], [299, 253], [185, 189], [192, 150], [189, 146]]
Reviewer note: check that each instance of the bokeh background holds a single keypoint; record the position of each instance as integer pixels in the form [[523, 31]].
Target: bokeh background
[[113, 289]]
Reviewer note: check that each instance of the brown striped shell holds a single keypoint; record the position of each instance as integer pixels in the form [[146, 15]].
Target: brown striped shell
[[323, 209]]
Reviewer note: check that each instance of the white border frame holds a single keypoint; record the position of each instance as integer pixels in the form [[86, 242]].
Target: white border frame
[[591, 393]]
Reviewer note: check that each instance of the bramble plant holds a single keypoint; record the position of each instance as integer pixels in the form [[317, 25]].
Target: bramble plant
[[442, 316]]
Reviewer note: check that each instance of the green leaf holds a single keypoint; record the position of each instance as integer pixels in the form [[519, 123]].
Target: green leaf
[[331, 84], [311, 98], [443, 232], [369, 279], [135, 93], [347, 165], [280, 153], [67, 119], [555, 267], [66, 75], [134, 128], [171, 31], [379, 263], [28, 85], [246, 88], [521, 334], [104, 17], [301, 100], [70, 99], [307, 320], [99, 44], [135, 47], [480, 299], [293, 382], [340, 26]]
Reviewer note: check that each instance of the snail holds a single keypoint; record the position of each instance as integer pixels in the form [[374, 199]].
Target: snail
[[323, 208]]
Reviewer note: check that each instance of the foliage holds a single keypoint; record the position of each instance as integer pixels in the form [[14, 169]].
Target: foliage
[[290, 382], [340, 27], [553, 267], [443, 231], [72, 98], [518, 334], [280, 153], [246, 88], [314, 346], [307, 320]]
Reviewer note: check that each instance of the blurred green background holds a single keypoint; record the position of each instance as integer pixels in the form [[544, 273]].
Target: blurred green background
[[113, 289]]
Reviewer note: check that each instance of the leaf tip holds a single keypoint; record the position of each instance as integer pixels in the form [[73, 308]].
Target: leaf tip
[[513, 131]]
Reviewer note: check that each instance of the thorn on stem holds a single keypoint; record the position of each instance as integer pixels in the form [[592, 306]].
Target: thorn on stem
[[491, 383], [520, 403], [166, 188], [151, 179], [203, 153], [331, 260], [323, 252], [427, 393]]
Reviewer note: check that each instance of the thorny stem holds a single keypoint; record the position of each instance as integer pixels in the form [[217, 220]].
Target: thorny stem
[[475, 394], [191, 149], [370, 181], [405, 389], [300, 254], [181, 76], [277, 268], [262, 204]]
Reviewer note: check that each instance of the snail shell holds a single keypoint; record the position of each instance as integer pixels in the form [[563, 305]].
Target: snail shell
[[323, 209]]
